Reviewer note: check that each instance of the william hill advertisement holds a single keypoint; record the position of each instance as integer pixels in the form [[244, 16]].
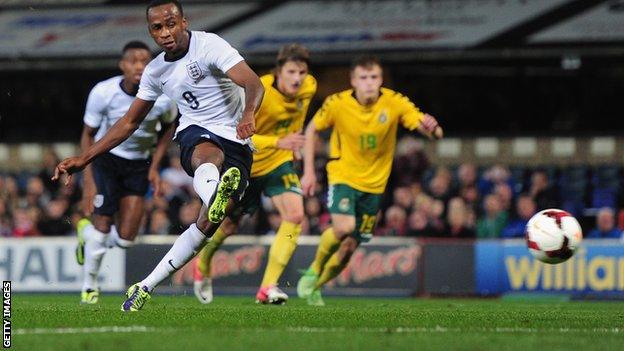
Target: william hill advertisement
[[506, 266]]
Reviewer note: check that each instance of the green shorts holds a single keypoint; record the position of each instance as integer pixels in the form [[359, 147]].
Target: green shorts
[[278, 181], [343, 199]]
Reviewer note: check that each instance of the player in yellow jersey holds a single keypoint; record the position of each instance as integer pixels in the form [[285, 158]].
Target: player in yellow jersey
[[279, 122], [365, 121]]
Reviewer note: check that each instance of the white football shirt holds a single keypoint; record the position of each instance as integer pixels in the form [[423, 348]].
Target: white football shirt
[[108, 102], [198, 83]]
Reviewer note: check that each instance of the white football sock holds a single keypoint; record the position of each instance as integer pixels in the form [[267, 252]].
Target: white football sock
[[114, 240], [205, 181], [95, 248], [186, 246]]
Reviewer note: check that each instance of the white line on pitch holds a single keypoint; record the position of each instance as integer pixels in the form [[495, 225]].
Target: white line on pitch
[[304, 329], [440, 329], [109, 329]]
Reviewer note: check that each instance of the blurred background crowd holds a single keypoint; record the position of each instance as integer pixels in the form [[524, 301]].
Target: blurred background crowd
[[422, 199]]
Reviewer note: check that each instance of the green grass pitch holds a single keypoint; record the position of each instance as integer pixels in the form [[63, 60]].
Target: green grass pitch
[[58, 322]]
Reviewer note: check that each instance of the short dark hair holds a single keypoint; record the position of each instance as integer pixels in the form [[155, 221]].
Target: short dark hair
[[366, 61], [135, 44], [155, 3], [292, 52]]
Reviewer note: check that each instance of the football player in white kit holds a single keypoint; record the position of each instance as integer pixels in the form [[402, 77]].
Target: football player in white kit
[[217, 95], [118, 180]]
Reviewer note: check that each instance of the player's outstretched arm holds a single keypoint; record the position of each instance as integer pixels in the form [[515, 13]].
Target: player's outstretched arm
[[164, 139], [119, 132], [245, 77], [308, 181]]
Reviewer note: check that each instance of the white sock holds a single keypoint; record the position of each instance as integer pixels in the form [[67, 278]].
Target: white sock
[[114, 240], [186, 246], [95, 248], [205, 181]]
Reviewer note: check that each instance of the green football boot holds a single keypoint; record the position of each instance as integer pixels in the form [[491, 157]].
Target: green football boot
[[89, 297], [315, 298], [227, 186], [306, 283], [137, 296], [80, 248]]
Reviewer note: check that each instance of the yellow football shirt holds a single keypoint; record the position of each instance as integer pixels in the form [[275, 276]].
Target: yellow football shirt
[[363, 138], [277, 117]]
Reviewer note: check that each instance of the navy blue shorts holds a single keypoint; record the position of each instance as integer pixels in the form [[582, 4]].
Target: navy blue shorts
[[236, 155], [116, 177]]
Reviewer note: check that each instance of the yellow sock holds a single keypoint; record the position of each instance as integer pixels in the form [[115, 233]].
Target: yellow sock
[[281, 250], [327, 246], [332, 268], [204, 258]]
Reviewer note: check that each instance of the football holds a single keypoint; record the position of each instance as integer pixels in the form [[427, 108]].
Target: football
[[553, 235]]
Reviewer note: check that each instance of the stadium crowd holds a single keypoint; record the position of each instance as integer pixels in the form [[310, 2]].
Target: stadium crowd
[[421, 200]]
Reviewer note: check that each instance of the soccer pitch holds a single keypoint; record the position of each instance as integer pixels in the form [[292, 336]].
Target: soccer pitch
[[58, 322]]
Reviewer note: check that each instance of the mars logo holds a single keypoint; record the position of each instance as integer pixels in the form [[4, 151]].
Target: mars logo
[[367, 266], [194, 71]]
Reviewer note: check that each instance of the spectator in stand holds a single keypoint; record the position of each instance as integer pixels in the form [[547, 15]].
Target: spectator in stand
[[457, 217], [496, 174], [470, 195], [467, 175], [544, 195], [9, 191], [620, 219], [175, 174], [275, 220], [24, 223], [36, 194], [433, 210], [50, 160], [605, 226], [171, 201], [159, 223], [55, 221], [525, 209], [395, 219], [410, 161], [5, 219], [417, 224], [440, 185], [494, 219], [403, 198], [505, 194], [313, 213], [188, 215]]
